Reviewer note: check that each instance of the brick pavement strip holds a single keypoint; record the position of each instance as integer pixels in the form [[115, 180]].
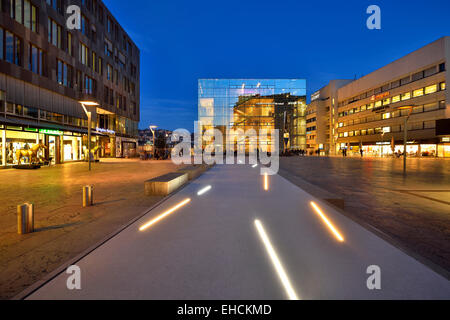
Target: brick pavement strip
[[412, 210], [64, 228]]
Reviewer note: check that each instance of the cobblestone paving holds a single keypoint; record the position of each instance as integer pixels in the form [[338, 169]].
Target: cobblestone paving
[[64, 228], [414, 210]]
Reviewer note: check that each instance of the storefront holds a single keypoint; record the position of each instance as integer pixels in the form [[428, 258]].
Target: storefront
[[51, 146], [444, 148], [412, 149], [126, 147]]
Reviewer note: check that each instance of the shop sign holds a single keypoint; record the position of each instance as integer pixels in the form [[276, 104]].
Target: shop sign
[[380, 96], [51, 132], [100, 130], [31, 130], [446, 139]]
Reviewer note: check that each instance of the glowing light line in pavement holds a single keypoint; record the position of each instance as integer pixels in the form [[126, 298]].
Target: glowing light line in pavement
[[266, 182], [327, 222], [204, 190], [276, 261], [165, 214]]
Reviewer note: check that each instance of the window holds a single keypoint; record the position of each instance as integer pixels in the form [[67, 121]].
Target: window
[[69, 44], [64, 73], [54, 33], [36, 63], [386, 116], [431, 89], [406, 96], [442, 67], [418, 93], [13, 46], [84, 26], [386, 101], [395, 84], [396, 99], [109, 72], [89, 85], [404, 81], [108, 48], [2, 46], [417, 76], [431, 107], [442, 86], [55, 4], [429, 72], [84, 54]]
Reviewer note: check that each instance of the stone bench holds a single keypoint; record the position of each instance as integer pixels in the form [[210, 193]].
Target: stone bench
[[193, 171], [166, 184]]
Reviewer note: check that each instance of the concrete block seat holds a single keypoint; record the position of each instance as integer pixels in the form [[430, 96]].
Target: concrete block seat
[[166, 184], [194, 171]]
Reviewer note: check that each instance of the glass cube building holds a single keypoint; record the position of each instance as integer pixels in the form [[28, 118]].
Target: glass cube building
[[255, 104]]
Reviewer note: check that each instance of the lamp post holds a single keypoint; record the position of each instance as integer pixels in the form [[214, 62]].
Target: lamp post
[[405, 132], [89, 115], [152, 129]]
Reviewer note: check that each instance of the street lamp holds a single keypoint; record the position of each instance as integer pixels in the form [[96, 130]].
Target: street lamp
[[405, 131], [152, 129], [89, 115]]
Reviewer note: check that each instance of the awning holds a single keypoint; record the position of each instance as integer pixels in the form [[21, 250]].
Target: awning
[[26, 123]]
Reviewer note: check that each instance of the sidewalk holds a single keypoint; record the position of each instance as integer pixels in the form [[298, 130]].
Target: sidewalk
[[414, 210], [64, 228]]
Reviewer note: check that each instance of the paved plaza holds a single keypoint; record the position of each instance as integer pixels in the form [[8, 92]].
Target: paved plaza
[[245, 237], [413, 210], [64, 228]]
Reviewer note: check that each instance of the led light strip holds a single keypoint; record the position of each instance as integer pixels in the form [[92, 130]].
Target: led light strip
[[276, 261], [327, 222], [204, 190], [165, 214], [266, 182]]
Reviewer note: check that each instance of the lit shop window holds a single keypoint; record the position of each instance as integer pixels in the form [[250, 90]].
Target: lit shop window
[[386, 116], [370, 106], [345, 134], [386, 101], [386, 129], [406, 96], [431, 89], [418, 93], [378, 104], [442, 85]]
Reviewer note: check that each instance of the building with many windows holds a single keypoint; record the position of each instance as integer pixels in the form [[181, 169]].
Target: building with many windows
[[370, 112], [239, 104], [46, 69], [319, 118]]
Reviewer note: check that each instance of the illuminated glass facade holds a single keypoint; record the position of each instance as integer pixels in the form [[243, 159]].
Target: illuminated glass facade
[[255, 104]]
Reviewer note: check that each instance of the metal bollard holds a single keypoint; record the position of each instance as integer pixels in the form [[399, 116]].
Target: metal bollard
[[88, 196], [25, 218]]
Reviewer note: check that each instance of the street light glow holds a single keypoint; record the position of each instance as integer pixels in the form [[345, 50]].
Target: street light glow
[[276, 261], [204, 190], [266, 182], [327, 222], [165, 214]]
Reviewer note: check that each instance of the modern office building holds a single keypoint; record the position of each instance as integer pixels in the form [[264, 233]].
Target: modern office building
[[372, 110], [319, 118], [46, 69], [255, 104]]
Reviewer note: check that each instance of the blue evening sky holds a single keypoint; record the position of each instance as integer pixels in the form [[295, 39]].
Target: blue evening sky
[[182, 41]]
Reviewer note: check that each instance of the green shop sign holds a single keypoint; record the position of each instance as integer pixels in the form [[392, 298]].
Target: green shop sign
[[51, 132]]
